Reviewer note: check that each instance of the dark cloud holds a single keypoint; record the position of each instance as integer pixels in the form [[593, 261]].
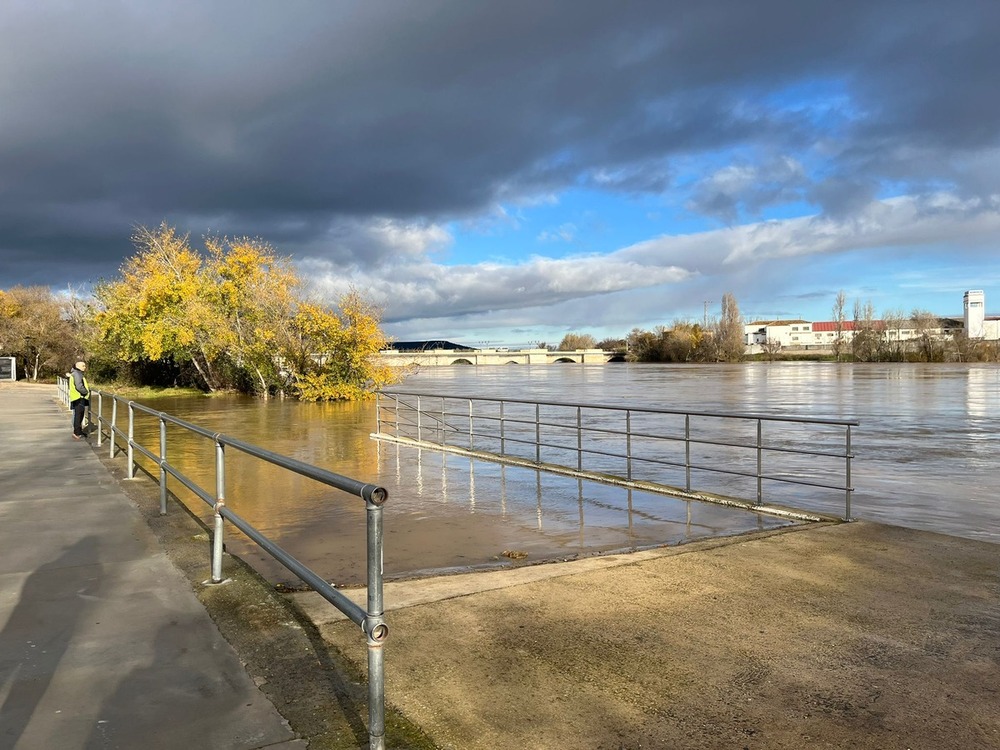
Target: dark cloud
[[301, 122]]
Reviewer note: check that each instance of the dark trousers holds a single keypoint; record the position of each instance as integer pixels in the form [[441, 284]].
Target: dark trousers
[[79, 407]]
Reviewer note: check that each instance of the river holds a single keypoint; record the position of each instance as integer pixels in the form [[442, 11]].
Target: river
[[926, 457]]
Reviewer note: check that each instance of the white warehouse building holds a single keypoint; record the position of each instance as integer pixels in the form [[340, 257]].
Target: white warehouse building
[[804, 334]]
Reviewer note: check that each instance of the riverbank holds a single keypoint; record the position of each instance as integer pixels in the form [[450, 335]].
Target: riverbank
[[854, 635]]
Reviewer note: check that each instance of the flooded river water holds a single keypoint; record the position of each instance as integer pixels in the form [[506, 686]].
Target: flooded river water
[[926, 456]]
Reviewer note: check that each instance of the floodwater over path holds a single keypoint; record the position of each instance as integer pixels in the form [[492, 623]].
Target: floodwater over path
[[926, 457]]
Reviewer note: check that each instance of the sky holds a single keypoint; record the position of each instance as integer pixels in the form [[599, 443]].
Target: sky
[[507, 172]]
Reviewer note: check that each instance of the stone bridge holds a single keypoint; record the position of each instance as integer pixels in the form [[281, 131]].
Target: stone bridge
[[446, 357]]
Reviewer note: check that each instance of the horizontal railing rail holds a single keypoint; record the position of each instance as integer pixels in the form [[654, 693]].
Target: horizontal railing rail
[[631, 443], [371, 620]]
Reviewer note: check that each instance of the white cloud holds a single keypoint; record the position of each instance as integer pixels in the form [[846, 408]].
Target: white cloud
[[654, 280]]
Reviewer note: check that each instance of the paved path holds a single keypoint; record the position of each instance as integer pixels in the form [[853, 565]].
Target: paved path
[[103, 644]]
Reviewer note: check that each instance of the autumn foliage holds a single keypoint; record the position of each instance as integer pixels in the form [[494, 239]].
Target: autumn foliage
[[237, 316]]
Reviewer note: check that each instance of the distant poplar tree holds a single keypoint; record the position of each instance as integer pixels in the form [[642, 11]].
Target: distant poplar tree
[[730, 335], [839, 312]]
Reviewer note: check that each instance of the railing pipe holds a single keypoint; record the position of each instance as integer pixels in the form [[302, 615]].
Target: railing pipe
[[131, 436], [114, 426], [538, 433], [218, 538], [100, 418], [628, 445], [687, 452], [163, 470], [760, 463], [502, 436], [372, 622], [579, 439], [504, 423], [375, 630], [850, 488]]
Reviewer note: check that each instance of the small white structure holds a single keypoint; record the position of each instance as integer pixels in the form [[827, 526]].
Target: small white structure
[[977, 324], [975, 313], [8, 368]]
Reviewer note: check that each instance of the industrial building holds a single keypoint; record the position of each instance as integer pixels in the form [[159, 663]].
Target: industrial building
[[804, 334]]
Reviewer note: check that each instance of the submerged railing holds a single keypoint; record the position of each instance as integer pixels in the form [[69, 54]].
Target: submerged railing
[[120, 426], [652, 448]]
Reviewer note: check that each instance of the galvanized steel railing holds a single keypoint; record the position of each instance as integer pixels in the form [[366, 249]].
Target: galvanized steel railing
[[372, 621], [631, 445]]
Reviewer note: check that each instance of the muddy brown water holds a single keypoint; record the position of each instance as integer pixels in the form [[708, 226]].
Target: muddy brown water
[[926, 458]]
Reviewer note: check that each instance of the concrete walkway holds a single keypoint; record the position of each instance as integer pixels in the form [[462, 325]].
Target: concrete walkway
[[103, 643], [842, 636]]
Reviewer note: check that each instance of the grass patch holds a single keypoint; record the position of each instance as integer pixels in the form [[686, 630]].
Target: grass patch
[[146, 391]]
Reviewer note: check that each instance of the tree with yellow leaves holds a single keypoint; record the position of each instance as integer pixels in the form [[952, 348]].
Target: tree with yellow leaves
[[335, 356], [237, 316]]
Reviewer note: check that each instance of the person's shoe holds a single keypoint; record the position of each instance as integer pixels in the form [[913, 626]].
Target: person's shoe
[[77, 437]]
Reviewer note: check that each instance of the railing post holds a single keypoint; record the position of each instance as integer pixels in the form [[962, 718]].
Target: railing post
[[375, 628], [114, 425], [220, 503], [100, 418], [163, 461], [378, 413], [687, 452], [131, 434], [502, 443], [538, 433], [760, 463], [579, 439], [419, 413], [849, 489], [441, 427], [472, 426], [628, 454], [396, 414]]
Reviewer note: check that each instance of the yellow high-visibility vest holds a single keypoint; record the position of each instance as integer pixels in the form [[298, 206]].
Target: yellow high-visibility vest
[[74, 394]]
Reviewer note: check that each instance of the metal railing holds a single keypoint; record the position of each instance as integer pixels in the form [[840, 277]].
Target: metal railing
[[648, 447], [371, 621]]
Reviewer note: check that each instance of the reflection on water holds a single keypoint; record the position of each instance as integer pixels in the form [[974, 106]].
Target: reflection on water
[[926, 457]]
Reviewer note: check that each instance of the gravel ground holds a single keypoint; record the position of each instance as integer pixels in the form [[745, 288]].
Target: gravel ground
[[844, 636]]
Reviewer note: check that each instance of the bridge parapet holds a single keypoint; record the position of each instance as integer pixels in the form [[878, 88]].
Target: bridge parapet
[[447, 357]]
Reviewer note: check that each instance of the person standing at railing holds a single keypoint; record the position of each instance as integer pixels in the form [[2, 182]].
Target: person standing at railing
[[79, 390]]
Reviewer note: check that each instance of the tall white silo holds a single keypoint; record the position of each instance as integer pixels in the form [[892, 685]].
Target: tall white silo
[[975, 313]]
